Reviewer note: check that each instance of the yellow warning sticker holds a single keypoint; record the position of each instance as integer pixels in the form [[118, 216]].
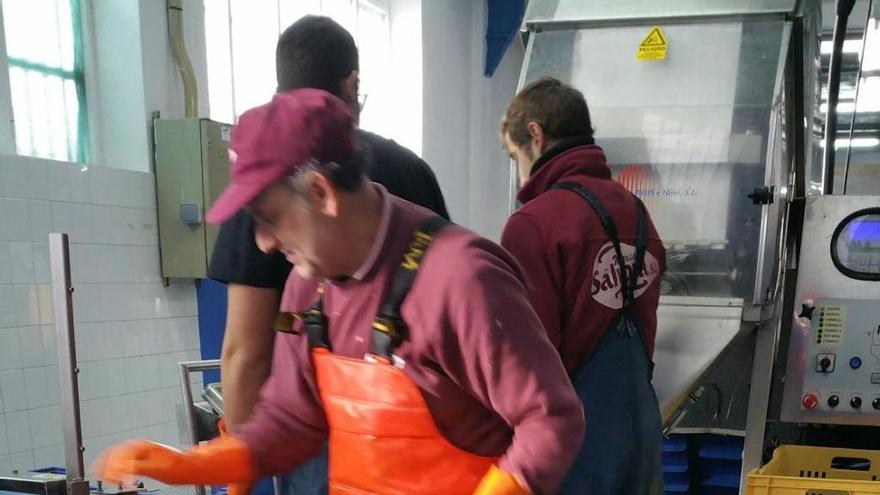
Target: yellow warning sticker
[[653, 46]]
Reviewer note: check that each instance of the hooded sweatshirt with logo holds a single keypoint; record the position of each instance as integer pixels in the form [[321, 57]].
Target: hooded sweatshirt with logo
[[569, 260]]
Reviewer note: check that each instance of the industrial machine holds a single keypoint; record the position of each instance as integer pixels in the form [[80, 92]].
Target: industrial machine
[[704, 149], [712, 113]]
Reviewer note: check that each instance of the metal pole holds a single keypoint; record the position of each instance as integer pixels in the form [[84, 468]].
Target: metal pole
[[844, 8], [189, 410], [62, 301]]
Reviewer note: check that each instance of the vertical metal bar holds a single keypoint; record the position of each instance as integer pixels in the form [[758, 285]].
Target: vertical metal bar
[[844, 8], [189, 413], [62, 301], [766, 342]]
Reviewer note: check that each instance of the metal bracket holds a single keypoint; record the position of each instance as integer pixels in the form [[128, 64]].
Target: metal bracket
[[762, 195]]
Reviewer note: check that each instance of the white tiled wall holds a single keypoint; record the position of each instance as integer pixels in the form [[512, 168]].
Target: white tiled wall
[[130, 330]]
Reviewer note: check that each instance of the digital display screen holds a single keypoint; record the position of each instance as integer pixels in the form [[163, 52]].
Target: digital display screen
[[864, 230]]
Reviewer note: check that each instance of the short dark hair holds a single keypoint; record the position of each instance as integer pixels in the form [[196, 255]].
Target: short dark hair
[[559, 109], [315, 52]]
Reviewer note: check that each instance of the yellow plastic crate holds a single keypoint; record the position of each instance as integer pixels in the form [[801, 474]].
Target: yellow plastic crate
[[799, 470]]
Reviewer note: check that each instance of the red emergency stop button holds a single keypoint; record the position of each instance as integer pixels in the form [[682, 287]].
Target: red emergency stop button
[[810, 401]]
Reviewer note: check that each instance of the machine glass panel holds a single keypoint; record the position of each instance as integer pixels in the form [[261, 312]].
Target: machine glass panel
[[855, 246], [692, 135]]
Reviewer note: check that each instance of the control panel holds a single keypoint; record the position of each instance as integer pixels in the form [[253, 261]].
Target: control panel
[[842, 372]]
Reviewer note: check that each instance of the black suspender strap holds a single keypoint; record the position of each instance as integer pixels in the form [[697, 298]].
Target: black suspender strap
[[314, 322], [389, 329], [628, 284]]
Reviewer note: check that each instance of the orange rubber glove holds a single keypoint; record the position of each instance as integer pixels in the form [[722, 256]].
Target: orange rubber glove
[[220, 461], [234, 488], [499, 482]]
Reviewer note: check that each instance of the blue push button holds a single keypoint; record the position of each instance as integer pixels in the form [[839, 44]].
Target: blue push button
[[855, 363]]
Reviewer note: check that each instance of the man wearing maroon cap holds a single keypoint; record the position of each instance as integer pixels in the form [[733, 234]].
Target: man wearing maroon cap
[[416, 352], [595, 261], [314, 52]]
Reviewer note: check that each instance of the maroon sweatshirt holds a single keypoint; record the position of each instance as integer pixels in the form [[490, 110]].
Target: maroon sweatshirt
[[569, 260], [476, 349]]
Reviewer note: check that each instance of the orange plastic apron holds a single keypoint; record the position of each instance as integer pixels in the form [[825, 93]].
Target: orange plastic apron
[[383, 439]]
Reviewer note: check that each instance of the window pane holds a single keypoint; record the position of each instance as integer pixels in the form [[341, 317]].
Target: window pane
[[374, 45], [341, 11], [219, 59], [39, 31], [292, 10], [45, 108], [254, 35]]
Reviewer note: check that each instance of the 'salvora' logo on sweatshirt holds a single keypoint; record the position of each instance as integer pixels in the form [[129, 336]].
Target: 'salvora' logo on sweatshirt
[[606, 287]]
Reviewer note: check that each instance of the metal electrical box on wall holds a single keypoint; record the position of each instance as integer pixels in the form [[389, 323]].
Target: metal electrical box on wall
[[192, 168]]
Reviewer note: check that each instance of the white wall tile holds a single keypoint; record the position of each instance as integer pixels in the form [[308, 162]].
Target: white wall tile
[[36, 388], [20, 179], [13, 390], [40, 218], [151, 367], [89, 420], [70, 182], [146, 232], [156, 400], [22, 461], [22, 258], [5, 466], [42, 268], [75, 220], [102, 417], [10, 350], [18, 431], [50, 456], [4, 444], [44, 304], [90, 377], [87, 303], [135, 375], [10, 312], [118, 301], [106, 224], [45, 426], [147, 337], [117, 385], [174, 397], [143, 191], [30, 305], [168, 370], [5, 265], [53, 381], [30, 341], [14, 222], [85, 336], [130, 332], [50, 344]]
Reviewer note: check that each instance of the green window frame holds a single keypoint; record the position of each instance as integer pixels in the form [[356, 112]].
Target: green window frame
[[76, 128]]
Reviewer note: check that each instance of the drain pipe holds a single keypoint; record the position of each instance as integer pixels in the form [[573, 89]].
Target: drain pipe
[[175, 35]]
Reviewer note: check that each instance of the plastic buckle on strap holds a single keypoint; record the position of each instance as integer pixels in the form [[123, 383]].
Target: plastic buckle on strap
[[284, 322], [387, 326]]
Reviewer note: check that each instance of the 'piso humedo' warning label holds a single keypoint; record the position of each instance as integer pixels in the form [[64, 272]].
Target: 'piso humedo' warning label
[[653, 46]]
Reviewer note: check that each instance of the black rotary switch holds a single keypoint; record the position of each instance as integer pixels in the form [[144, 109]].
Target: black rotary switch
[[856, 402], [833, 401]]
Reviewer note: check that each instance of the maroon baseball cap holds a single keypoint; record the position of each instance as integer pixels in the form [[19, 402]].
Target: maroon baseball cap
[[273, 140]]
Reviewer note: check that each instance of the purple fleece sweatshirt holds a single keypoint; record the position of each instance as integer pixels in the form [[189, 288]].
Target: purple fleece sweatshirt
[[494, 383]]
